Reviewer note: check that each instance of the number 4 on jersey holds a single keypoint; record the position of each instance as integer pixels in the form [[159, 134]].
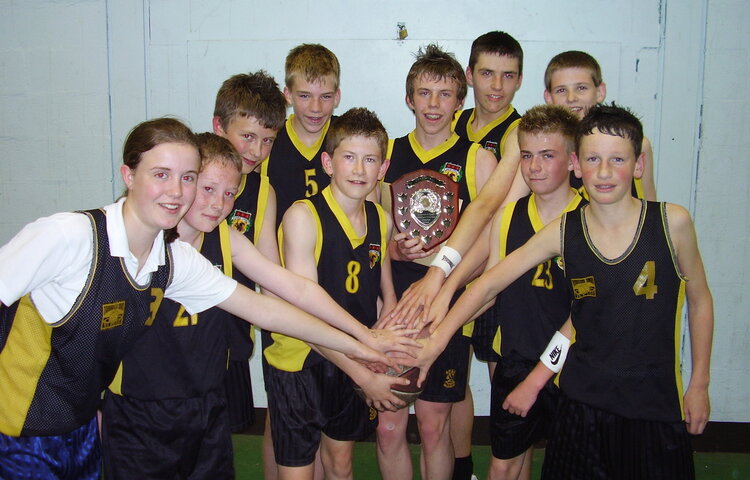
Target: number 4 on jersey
[[644, 284]]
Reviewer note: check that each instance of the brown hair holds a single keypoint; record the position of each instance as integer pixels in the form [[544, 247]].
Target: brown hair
[[251, 95], [313, 61], [497, 43], [356, 122], [547, 119], [149, 134], [436, 64], [214, 148], [572, 59], [612, 120]]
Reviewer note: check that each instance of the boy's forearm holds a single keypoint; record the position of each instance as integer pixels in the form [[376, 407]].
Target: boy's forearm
[[700, 320], [278, 316]]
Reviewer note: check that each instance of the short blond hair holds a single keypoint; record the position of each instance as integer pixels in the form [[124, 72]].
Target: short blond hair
[[572, 59], [313, 61]]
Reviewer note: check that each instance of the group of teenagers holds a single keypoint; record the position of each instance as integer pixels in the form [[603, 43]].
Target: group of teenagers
[[563, 273]]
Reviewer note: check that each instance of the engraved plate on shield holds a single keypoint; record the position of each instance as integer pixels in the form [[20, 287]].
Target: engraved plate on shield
[[425, 205]]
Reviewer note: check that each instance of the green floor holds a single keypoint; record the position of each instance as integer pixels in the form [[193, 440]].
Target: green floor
[[709, 466]]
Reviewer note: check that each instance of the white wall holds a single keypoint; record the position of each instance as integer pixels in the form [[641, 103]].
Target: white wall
[[76, 76]]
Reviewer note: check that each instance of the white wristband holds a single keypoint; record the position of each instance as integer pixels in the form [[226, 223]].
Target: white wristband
[[446, 259], [556, 352]]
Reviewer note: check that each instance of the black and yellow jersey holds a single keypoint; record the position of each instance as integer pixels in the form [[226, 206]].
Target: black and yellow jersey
[[182, 355], [455, 158], [493, 135], [626, 313], [348, 269], [52, 376], [294, 169], [535, 306], [247, 217]]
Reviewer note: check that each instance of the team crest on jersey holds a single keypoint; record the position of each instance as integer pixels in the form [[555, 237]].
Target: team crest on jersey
[[559, 262], [583, 287], [452, 170], [113, 315], [240, 220], [450, 378], [491, 146], [373, 414], [374, 254]]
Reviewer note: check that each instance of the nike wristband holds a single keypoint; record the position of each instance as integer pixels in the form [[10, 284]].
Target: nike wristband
[[446, 259], [556, 352]]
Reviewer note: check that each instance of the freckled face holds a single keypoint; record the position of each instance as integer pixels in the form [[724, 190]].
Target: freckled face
[[214, 199]]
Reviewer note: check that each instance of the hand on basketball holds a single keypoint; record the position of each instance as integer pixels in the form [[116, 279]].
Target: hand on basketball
[[378, 393], [394, 338], [521, 399], [414, 307], [697, 409], [370, 358]]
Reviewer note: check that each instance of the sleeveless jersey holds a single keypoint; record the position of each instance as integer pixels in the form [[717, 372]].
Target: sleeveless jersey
[[63, 368], [247, 218], [455, 158], [182, 355], [348, 269], [535, 306], [492, 136], [626, 313], [294, 169]]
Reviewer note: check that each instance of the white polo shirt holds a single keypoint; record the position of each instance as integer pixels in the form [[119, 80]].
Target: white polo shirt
[[51, 258]]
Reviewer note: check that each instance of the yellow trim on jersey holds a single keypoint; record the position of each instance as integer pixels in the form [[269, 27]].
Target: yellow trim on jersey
[[504, 227], [533, 210], [678, 346], [90, 277], [383, 232], [226, 248], [288, 353], [639, 190], [427, 155], [471, 170], [497, 341], [510, 128], [476, 136], [343, 220], [318, 236], [241, 188], [631, 247], [260, 213], [29, 343], [304, 150]]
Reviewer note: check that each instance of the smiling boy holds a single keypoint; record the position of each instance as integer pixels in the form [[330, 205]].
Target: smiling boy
[[435, 90]]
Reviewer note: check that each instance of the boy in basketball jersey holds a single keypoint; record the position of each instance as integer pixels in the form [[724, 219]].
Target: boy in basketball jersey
[[339, 240], [574, 79], [536, 305], [312, 89], [629, 264], [495, 72], [249, 111], [435, 90]]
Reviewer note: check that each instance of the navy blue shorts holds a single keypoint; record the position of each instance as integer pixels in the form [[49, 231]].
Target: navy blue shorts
[[316, 399], [173, 438], [447, 378], [75, 455], [510, 434], [589, 443]]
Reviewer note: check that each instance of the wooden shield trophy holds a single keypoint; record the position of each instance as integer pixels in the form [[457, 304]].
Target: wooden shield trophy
[[425, 204]]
